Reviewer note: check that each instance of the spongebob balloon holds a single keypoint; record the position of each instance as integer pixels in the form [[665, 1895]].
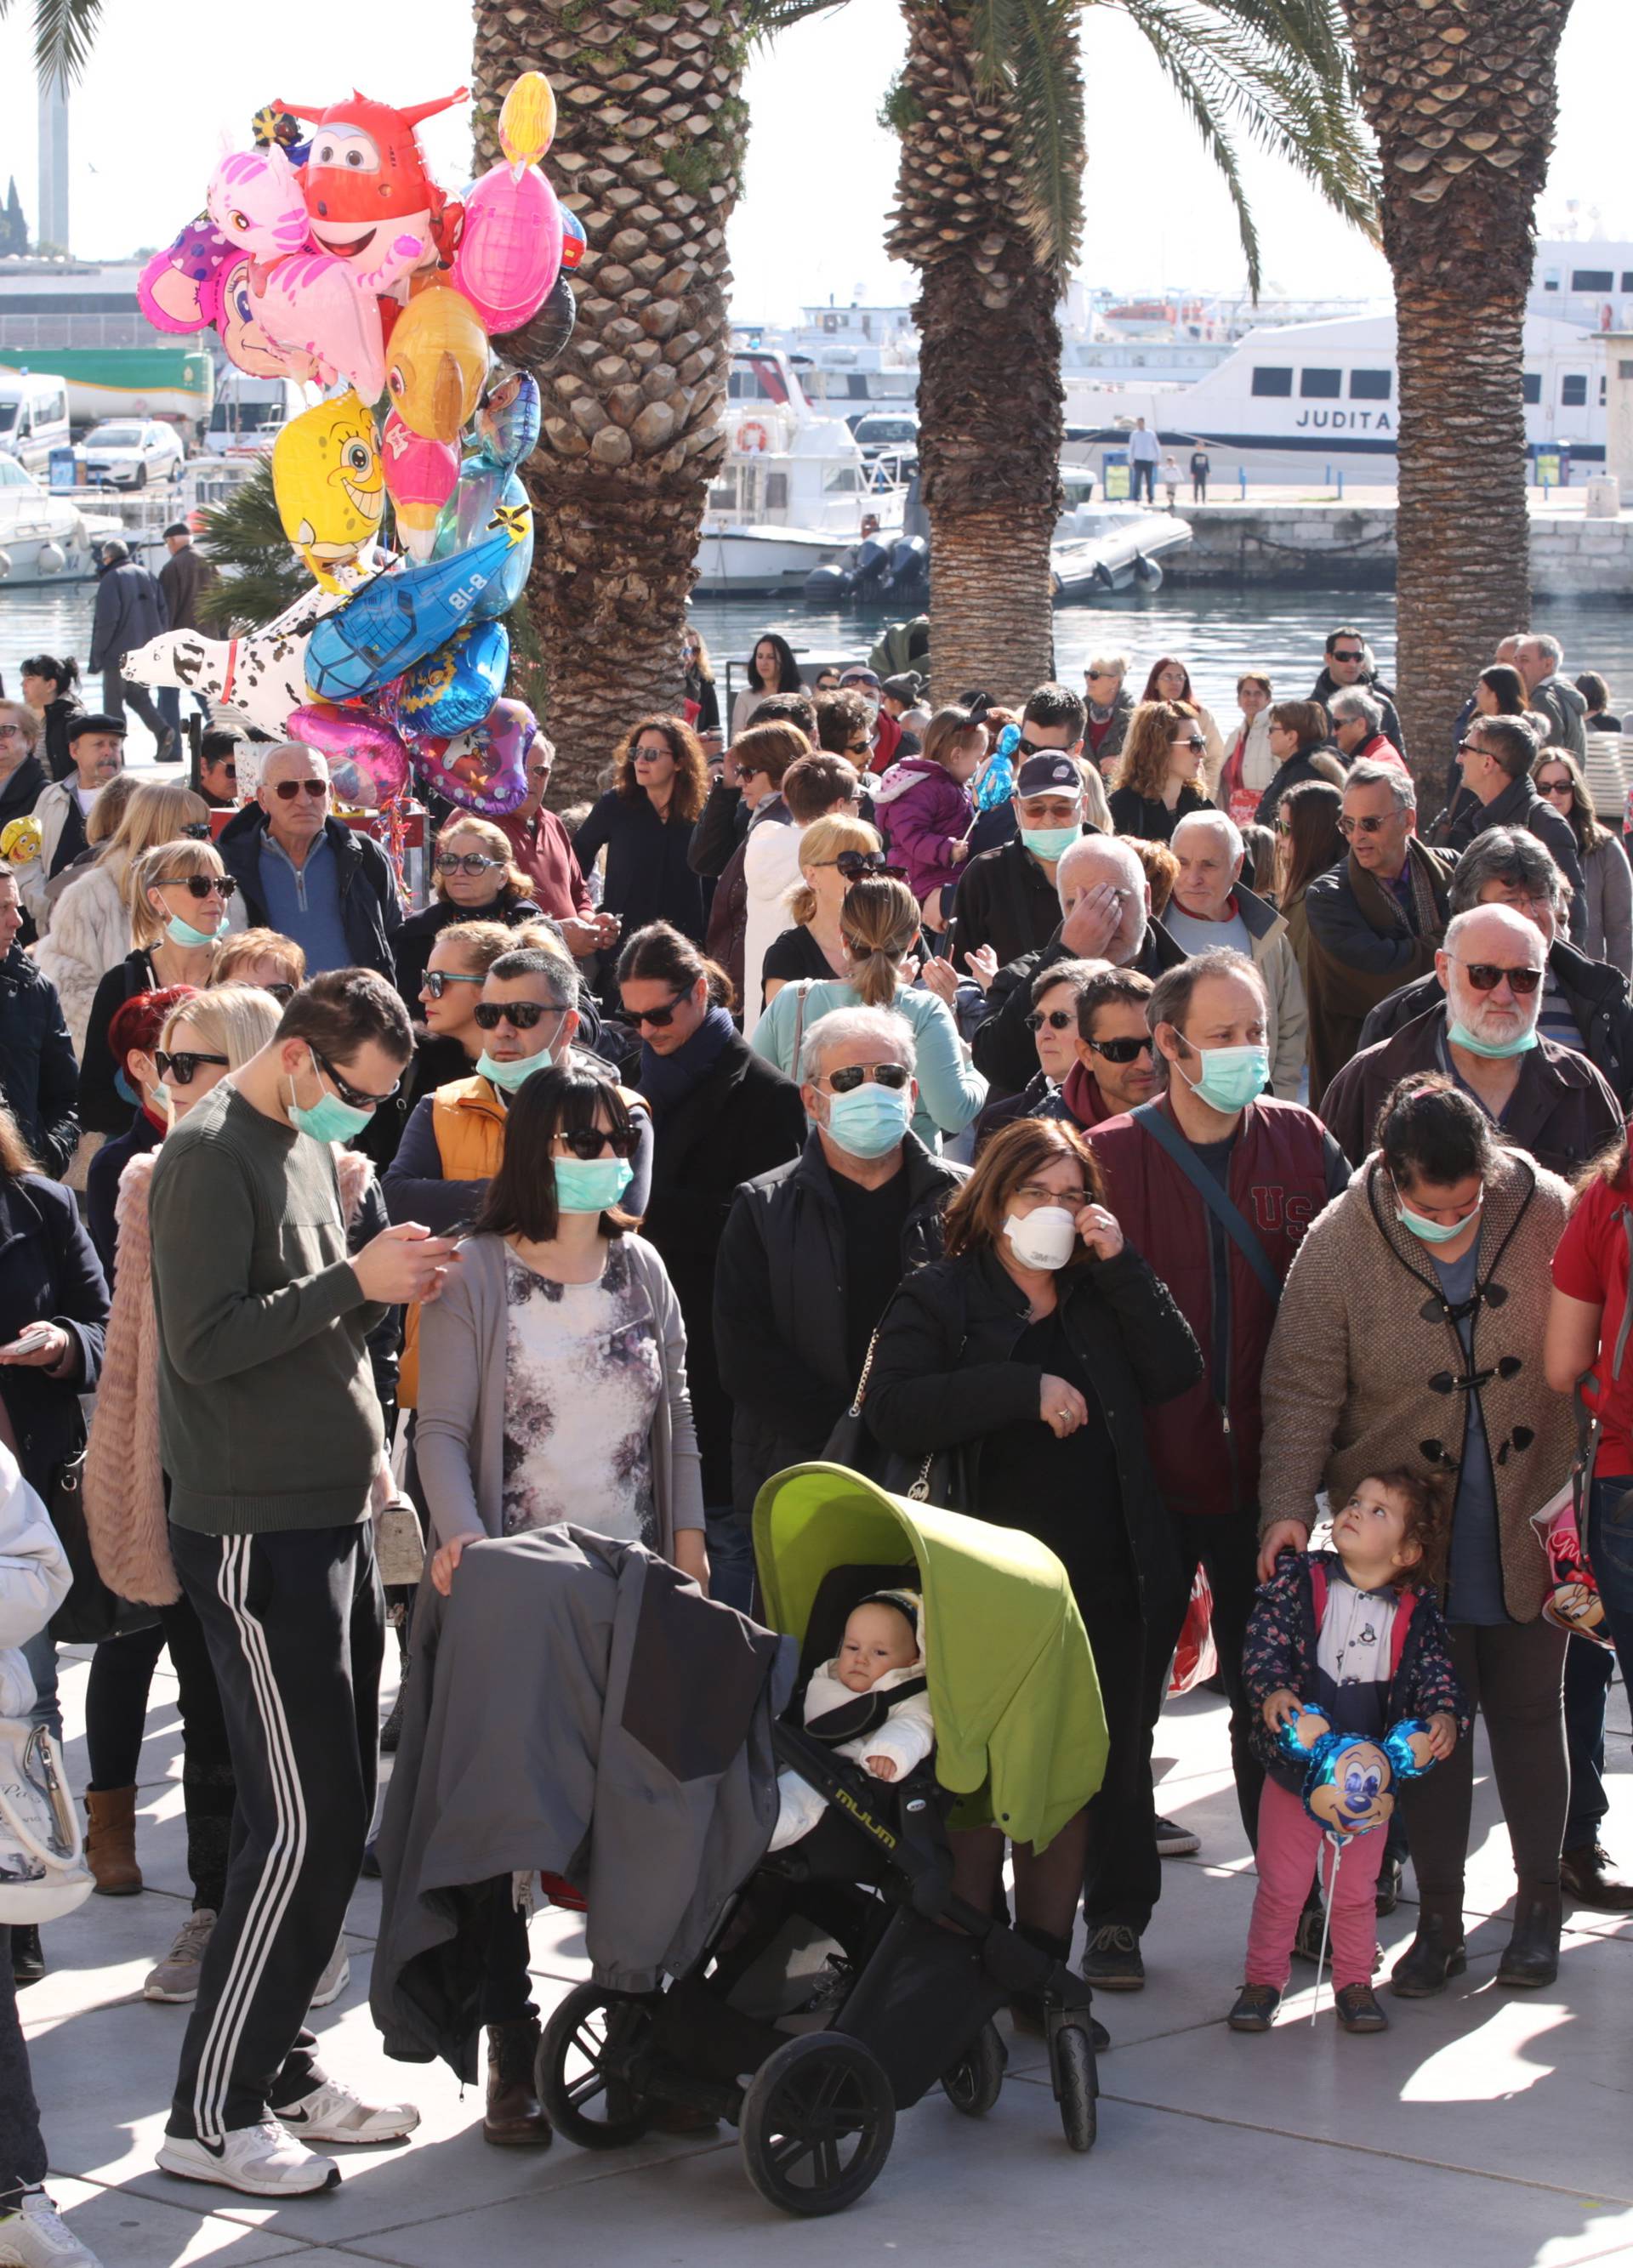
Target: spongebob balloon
[[330, 489]]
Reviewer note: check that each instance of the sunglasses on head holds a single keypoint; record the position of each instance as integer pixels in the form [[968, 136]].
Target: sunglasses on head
[[1059, 1019], [865, 866], [359, 1097], [588, 1142], [435, 981], [177, 1071], [286, 790], [468, 862], [1121, 1051], [1486, 975], [850, 1076], [521, 1013], [1347, 827], [201, 886], [659, 1019]]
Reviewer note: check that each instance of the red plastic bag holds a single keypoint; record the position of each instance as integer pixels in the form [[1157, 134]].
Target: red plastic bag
[[1196, 1657]]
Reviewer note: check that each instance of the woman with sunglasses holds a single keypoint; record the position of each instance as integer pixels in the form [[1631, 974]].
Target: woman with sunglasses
[[1161, 777], [1307, 843], [1411, 1326], [177, 895], [1169, 679], [1561, 783], [880, 931], [833, 852], [645, 824], [1026, 1359], [474, 877], [1298, 734], [554, 1389], [22, 772]]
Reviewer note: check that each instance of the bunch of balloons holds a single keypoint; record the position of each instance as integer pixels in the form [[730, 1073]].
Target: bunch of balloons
[[336, 260]]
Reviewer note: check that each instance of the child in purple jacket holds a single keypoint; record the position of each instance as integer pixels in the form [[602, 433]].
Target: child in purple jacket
[[923, 805]]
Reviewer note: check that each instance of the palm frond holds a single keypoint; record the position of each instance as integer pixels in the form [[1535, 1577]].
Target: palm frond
[[763, 19], [257, 575], [64, 32], [1026, 54]]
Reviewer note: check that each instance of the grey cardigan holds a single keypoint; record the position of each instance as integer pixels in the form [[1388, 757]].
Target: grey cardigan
[[1610, 906], [460, 1441]]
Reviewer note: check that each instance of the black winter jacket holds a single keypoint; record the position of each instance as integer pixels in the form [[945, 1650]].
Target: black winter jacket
[[1148, 816], [48, 1273], [1004, 900], [944, 1377], [647, 877], [1003, 1046], [22, 790], [369, 908], [39, 1078], [1521, 806], [724, 823], [1291, 774], [1324, 688], [780, 1305]]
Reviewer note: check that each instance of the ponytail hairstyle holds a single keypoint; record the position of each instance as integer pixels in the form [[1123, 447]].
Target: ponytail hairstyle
[[659, 955], [878, 922]]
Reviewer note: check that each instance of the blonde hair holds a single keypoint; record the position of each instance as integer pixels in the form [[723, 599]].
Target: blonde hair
[[102, 820], [248, 945], [819, 845], [1097, 810], [165, 862], [234, 1021], [158, 811], [878, 923], [513, 883]]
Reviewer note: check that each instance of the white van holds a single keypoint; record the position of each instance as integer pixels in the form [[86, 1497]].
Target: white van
[[33, 418]]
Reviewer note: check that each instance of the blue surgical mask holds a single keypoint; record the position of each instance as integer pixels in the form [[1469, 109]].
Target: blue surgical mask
[[1231, 1077], [1050, 842], [1431, 1231], [183, 933], [159, 1095], [517, 1072], [591, 1184], [329, 1119], [871, 1119], [1520, 1044]]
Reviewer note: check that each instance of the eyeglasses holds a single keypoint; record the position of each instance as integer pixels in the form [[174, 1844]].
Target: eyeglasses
[[201, 886], [858, 748], [1350, 654], [1347, 827], [12, 733], [1122, 1051], [1283, 826], [1565, 787], [281, 992], [659, 1019], [587, 1142], [1038, 1193], [1471, 748], [1059, 1019], [359, 1097], [1486, 975], [177, 1071], [849, 1077], [196, 830], [471, 862], [523, 1014], [286, 790], [435, 981], [650, 756]]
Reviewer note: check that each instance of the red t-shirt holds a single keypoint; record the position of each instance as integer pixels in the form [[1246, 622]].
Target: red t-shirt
[[1591, 1264]]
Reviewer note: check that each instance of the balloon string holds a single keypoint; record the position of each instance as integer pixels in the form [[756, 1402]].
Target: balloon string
[[1327, 1917]]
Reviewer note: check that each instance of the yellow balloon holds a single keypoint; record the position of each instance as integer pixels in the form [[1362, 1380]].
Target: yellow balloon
[[527, 123], [329, 485], [437, 361]]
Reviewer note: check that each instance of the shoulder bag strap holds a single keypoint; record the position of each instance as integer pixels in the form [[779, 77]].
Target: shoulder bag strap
[[1151, 1119], [802, 991]]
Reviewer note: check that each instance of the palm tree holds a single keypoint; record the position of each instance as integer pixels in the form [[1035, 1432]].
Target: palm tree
[[989, 109], [1463, 100], [64, 32]]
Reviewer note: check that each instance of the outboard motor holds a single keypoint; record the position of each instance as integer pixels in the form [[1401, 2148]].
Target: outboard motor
[[872, 560], [910, 568], [1104, 576], [1147, 573], [828, 587]]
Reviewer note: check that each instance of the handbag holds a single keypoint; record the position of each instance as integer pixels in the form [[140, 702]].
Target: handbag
[[91, 1612], [940, 1478], [43, 1873]]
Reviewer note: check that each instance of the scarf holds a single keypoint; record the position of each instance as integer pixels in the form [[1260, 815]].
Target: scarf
[[666, 1080]]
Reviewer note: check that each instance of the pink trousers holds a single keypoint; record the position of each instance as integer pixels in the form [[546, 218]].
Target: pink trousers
[[1288, 1843]]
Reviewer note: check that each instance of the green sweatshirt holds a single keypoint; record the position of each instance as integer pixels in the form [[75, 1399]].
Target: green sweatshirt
[[268, 1416]]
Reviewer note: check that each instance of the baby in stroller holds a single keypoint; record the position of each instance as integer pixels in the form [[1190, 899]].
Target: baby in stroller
[[869, 1702]]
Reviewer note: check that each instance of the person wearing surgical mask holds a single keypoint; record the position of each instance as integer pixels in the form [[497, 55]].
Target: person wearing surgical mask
[[1216, 1182], [1027, 1367], [1007, 897]]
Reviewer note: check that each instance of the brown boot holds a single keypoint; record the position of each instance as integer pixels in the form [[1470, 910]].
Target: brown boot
[[110, 1841], [515, 2118]]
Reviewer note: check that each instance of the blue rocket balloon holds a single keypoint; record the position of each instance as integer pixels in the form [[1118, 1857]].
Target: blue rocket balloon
[[453, 689], [484, 491], [403, 616]]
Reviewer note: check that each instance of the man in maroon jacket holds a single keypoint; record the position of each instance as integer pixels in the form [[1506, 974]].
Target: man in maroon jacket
[[545, 856], [1276, 1166]]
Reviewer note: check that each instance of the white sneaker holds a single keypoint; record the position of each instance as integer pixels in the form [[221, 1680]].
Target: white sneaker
[[333, 2113], [175, 1978], [336, 1977], [37, 2236], [263, 2161]]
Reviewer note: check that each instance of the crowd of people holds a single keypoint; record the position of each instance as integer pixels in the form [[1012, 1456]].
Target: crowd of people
[[1163, 1139]]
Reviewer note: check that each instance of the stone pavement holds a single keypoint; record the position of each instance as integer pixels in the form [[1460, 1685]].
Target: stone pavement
[[1488, 2128]]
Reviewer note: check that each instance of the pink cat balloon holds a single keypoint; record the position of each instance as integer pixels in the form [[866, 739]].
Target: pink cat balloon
[[315, 305], [484, 770], [368, 762], [255, 200]]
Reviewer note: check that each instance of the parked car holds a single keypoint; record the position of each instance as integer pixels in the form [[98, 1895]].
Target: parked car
[[895, 431], [127, 454]]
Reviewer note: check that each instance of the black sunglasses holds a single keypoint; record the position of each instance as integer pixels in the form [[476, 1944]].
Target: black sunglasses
[[282, 993], [659, 1019], [588, 1142], [197, 830], [468, 862], [1121, 1051], [1339, 654], [1486, 975], [1058, 1020], [435, 981], [177, 1071], [286, 790], [1195, 742], [359, 1097], [201, 886], [866, 865], [521, 1013], [849, 1077]]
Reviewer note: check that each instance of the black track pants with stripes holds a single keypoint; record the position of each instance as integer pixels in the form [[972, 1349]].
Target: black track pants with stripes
[[295, 1625]]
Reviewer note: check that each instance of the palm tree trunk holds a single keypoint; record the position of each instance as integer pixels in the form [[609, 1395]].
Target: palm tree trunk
[[1463, 100], [989, 387], [647, 154]]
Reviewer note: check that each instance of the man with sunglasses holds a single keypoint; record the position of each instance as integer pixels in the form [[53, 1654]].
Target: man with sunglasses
[[1374, 921], [1495, 756], [1005, 897], [270, 1432], [1349, 662], [303, 872], [1482, 1033]]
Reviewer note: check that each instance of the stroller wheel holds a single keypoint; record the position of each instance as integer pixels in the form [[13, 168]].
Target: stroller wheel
[[1076, 2086], [818, 2123], [973, 2084], [585, 2101]]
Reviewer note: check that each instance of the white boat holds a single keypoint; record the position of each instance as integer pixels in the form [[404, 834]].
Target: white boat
[[794, 492], [1101, 548], [45, 538]]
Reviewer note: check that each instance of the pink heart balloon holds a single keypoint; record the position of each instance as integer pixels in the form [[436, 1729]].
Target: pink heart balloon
[[484, 770], [370, 763], [421, 476]]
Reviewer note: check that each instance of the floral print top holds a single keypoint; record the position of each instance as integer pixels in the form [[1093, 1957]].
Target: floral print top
[[582, 1378]]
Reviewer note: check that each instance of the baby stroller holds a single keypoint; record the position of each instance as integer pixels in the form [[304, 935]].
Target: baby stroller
[[831, 1994]]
